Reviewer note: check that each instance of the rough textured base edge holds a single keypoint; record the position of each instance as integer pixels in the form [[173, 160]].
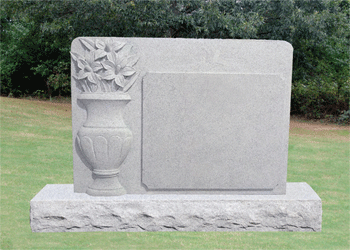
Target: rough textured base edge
[[56, 208]]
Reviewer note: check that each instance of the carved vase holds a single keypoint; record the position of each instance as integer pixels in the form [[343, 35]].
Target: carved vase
[[104, 140]]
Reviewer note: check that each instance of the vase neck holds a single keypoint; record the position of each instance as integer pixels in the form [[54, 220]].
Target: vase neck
[[104, 113]]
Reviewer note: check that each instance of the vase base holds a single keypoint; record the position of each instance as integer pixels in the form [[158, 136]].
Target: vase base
[[106, 186], [106, 192]]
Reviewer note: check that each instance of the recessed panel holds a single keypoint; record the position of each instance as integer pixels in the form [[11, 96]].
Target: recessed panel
[[203, 131]]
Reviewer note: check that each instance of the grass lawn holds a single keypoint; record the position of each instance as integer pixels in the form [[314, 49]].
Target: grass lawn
[[36, 149]]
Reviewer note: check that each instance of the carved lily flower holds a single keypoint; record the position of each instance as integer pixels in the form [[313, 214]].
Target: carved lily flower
[[87, 67], [117, 70], [107, 66], [107, 49]]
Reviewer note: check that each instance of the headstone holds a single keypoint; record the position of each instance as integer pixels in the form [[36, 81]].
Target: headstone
[[207, 116], [176, 134]]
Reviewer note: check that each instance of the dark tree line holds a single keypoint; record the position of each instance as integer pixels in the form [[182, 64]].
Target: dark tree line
[[36, 37]]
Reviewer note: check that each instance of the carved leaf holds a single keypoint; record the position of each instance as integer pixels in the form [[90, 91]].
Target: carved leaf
[[93, 87], [89, 57], [80, 64], [84, 85], [81, 75], [87, 43], [75, 56], [132, 60], [131, 82], [79, 84], [105, 87], [79, 57], [80, 61]]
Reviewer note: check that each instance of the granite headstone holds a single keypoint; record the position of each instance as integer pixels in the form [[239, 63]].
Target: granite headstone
[[179, 135], [207, 116]]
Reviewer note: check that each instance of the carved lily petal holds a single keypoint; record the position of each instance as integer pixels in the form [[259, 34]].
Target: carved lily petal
[[82, 75], [91, 78], [110, 75], [123, 62], [112, 57], [108, 65], [100, 44], [76, 56], [127, 71], [117, 46], [82, 63], [96, 66], [119, 80], [87, 43], [100, 54], [89, 57]]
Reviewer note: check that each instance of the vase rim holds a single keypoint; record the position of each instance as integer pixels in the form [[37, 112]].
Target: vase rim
[[104, 96]]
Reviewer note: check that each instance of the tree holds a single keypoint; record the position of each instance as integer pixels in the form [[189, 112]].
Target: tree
[[36, 37]]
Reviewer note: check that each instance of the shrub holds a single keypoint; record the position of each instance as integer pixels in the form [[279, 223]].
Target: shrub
[[319, 99], [36, 37]]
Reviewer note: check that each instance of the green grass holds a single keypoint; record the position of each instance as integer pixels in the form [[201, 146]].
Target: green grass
[[36, 149]]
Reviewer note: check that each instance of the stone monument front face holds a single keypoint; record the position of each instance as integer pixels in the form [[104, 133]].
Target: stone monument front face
[[160, 125], [196, 115]]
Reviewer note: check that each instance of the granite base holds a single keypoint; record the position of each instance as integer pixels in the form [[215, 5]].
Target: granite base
[[56, 208]]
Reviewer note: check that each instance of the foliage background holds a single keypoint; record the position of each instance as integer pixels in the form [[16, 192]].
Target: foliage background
[[36, 37]]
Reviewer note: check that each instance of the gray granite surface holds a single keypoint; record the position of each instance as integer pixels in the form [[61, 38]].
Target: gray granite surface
[[56, 208], [206, 116], [218, 132]]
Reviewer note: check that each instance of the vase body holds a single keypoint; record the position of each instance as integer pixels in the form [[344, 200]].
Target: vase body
[[104, 141]]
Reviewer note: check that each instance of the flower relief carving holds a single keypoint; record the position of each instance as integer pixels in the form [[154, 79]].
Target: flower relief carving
[[107, 66]]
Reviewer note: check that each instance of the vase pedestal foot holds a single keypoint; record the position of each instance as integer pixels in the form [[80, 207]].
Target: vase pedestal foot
[[106, 186]]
